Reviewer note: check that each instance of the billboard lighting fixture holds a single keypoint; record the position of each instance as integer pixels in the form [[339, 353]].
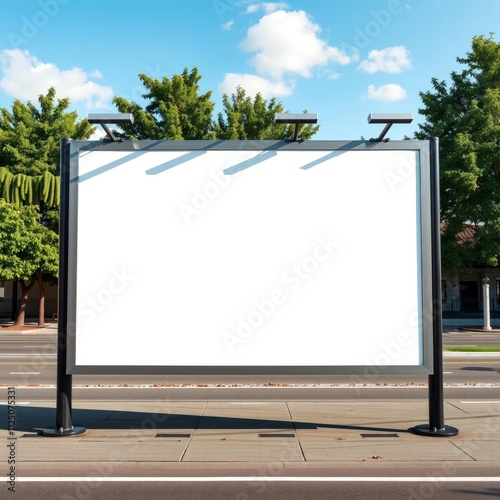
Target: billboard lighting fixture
[[111, 118], [389, 119], [297, 119]]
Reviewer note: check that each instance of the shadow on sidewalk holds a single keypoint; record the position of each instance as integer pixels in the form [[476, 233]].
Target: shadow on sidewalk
[[30, 419]]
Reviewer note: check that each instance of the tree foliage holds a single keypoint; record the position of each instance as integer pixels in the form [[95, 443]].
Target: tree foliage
[[21, 189], [465, 115], [29, 136], [175, 110], [27, 249], [30, 150], [247, 118]]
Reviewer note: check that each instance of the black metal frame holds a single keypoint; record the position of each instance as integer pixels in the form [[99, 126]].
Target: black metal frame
[[67, 327], [436, 425]]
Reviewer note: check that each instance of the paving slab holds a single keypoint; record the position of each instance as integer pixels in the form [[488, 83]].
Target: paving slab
[[319, 449], [75, 449], [243, 451], [278, 431]]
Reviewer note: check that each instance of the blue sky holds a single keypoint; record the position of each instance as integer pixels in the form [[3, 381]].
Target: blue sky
[[342, 59]]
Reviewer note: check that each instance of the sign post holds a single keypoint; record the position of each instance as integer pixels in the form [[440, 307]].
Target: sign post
[[436, 426], [64, 419]]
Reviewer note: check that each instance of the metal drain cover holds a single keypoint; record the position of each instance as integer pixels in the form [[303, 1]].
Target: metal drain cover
[[379, 435]]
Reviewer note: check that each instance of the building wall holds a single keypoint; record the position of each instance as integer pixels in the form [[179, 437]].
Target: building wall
[[32, 311]]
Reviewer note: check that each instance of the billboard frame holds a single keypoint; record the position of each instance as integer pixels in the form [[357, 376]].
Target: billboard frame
[[68, 272], [430, 255]]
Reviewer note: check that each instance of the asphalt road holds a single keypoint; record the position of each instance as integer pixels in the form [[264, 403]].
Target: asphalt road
[[31, 360], [267, 481], [451, 338]]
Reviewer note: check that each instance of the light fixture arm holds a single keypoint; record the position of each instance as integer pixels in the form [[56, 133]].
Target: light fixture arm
[[111, 118], [111, 136], [388, 120], [296, 119]]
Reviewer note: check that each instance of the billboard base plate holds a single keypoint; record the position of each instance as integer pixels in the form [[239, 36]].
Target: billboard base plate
[[426, 430], [73, 431]]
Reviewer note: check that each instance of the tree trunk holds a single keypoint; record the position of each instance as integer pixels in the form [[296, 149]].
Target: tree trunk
[[41, 302], [25, 290]]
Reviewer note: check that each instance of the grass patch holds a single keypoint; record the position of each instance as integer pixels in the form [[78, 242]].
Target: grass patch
[[475, 348]]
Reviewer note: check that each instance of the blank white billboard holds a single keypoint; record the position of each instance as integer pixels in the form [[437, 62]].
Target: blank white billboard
[[221, 259]]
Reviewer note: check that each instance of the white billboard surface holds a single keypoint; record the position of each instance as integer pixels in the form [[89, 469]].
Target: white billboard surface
[[244, 258]]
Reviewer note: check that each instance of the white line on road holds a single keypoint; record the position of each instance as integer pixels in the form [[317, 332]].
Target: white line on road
[[257, 386], [26, 355], [480, 402], [419, 479], [24, 373], [248, 403], [38, 346]]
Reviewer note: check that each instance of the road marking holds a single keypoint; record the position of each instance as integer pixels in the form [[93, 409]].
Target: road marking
[[480, 402], [447, 373], [184, 479], [469, 360], [32, 363], [24, 373], [42, 345], [25, 355], [248, 403]]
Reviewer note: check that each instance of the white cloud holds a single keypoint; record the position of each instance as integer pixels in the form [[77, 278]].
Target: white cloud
[[267, 7], [24, 77], [390, 60], [287, 42], [254, 84], [390, 92], [227, 26]]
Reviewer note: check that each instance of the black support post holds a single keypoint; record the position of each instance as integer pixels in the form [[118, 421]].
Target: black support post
[[64, 420], [436, 426]]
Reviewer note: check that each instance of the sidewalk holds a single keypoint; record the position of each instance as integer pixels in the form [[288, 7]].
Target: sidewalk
[[254, 431], [30, 326], [294, 431]]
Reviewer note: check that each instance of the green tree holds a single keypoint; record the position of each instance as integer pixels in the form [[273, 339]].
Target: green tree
[[247, 118], [29, 162], [30, 150], [29, 136], [28, 250], [465, 115], [21, 189], [175, 110]]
